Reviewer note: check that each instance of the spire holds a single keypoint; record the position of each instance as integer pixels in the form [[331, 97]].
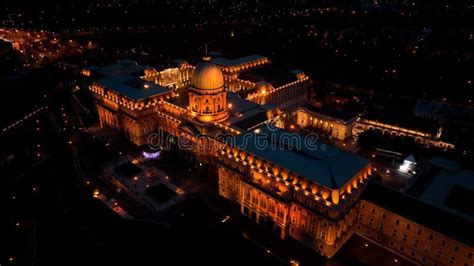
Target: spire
[[206, 56]]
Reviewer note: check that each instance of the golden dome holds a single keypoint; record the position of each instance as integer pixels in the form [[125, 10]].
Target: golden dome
[[207, 76]]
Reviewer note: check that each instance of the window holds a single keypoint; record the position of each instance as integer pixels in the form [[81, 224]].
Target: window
[[394, 233], [443, 243], [363, 206], [440, 254], [431, 237], [325, 225], [384, 215], [423, 259], [415, 244], [397, 222], [405, 236], [456, 248], [419, 231], [408, 227], [469, 255], [401, 248], [373, 210]]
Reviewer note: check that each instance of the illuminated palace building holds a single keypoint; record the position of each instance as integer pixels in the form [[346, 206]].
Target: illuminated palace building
[[135, 100], [317, 194]]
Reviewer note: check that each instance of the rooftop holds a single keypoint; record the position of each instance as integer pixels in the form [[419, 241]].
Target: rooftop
[[275, 76], [448, 188], [127, 170], [431, 107], [420, 212], [160, 193], [125, 66], [245, 114], [237, 61], [312, 160], [132, 87]]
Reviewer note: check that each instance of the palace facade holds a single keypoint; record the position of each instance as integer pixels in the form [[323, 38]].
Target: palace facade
[[308, 194], [290, 184], [337, 124]]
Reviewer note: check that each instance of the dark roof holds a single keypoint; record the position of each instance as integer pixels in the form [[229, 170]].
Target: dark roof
[[127, 170], [442, 221], [404, 120], [270, 74], [237, 61], [252, 121], [160, 193], [246, 114], [331, 112], [315, 161], [125, 66], [132, 87]]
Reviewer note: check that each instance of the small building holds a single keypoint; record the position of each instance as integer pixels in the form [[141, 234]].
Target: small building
[[408, 165]]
